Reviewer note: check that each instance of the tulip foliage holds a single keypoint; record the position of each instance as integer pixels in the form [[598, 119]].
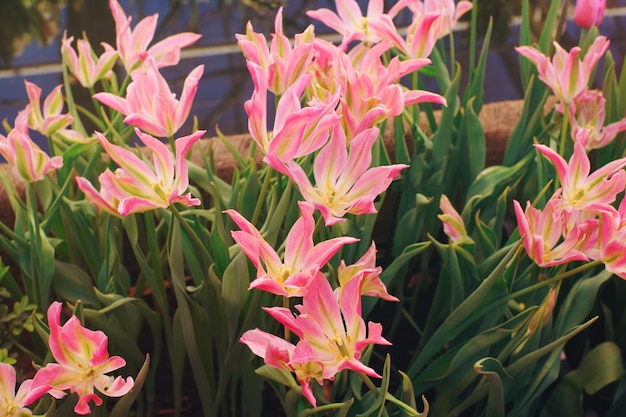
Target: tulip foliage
[[342, 269]]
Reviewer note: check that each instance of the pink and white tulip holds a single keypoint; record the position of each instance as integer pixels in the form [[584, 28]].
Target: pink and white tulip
[[29, 163], [566, 74], [421, 37], [132, 44], [278, 353], [453, 225], [349, 20], [48, 120], [12, 403], [284, 64], [587, 114], [344, 182], [298, 131], [331, 329], [365, 271], [82, 363], [542, 234], [136, 186], [85, 66], [291, 276], [150, 104], [579, 187]]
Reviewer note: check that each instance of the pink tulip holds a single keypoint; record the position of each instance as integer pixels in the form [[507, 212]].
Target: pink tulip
[[29, 163], [349, 20], [566, 74], [365, 271], [284, 64], [50, 120], [587, 114], [369, 90], [542, 232], [588, 13], [344, 183], [580, 188], [85, 66], [278, 353], [82, 363], [453, 225], [451, 13], [13, 404], [132, 44], [421, 38], [302, 259], [150, 105], [136, 186], [298, 131], [331, 329]]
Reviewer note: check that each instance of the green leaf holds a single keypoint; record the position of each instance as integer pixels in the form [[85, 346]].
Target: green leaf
[[600, 367], [495, 374], [282, 376], [72, 283], [235, 283]]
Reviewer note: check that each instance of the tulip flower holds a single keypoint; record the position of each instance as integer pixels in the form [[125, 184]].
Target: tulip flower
[[566, 74], [579, 188], [284, 64], [349, 20], [453, 225], [278, 353], [132, 44], [29, 163], [542, 232], [588, 13], [50, 120], [85, 66], [13, 404], [587, 114], [136, 186], [302, 260], [421, 37], [450, 12], [366, 271], [150, 105], [369, 90], [298, 131], [82, 363], [331, 330], [344, 183]]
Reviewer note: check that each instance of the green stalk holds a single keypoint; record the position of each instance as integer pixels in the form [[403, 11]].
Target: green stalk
[[190, 233], [35, 244], [555, 279], [564, 126], [263, 193]]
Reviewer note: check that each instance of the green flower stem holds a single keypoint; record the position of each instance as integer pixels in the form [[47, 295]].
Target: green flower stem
[[172, 142], [154, 253], [269, 173], [404, 406], [97, 106], [287, 331], [564, 126], [550, 281], [190, 233], [368, 382], [35, 243], [452, 54]]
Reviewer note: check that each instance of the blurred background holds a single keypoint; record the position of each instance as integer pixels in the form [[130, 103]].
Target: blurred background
[[30, 33]]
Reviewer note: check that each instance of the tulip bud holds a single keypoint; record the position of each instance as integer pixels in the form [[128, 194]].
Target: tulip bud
[[589, 13]]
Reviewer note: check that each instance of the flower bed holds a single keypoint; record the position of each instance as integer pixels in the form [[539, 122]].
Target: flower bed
[[344, 270]]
